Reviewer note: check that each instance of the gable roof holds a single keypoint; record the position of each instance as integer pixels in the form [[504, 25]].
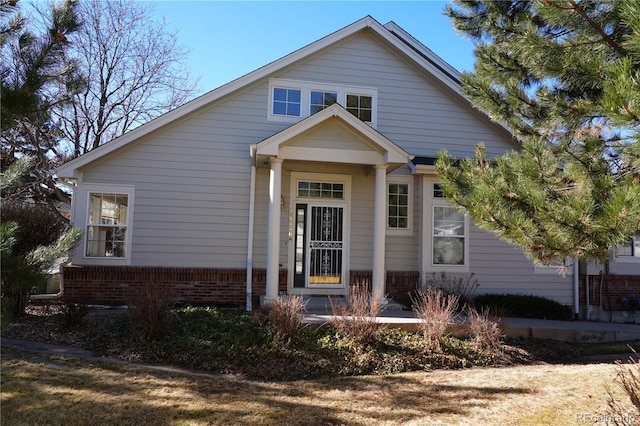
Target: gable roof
[[390, 33], [378, 148]]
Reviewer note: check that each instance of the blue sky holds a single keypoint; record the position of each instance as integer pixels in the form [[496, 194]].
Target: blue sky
[[230, 39]]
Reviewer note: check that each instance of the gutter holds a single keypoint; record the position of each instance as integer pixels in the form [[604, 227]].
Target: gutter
[[252, 192]]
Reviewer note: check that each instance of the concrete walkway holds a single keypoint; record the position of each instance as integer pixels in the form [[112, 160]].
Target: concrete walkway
[[566, 331]]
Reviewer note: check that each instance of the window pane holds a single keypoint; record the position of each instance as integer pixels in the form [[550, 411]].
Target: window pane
[[316, 98], [448, 251], [280, 95], [330, 98], [293, 95], [279, 108], [293, 109], [437, 191], [447, 221], [106, 241], [352, 101], [365, 102]]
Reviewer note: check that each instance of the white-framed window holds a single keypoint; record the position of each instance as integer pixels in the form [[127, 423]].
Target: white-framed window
[[320, 100], [108, 218], [361, 106], [399, 205], [292, 100], [286, 102], [628, 252], [447, 239]]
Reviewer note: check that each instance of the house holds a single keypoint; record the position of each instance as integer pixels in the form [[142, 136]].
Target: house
[[304, 176]]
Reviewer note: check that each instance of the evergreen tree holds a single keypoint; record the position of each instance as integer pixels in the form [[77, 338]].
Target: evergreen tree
[[564, 76]]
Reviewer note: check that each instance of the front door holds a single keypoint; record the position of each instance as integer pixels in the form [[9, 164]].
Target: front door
[[319, 246]]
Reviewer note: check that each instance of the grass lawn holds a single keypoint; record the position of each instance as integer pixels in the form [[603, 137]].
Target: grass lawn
[[38, 389]]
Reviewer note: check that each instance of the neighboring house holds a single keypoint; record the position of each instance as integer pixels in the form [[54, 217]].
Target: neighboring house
[[308, 174]]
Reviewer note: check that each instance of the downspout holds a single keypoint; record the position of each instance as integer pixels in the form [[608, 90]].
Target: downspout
[[576, 289], [252, 191], [58, 296]]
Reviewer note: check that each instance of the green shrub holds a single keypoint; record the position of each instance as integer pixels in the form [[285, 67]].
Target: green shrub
[[523, 306]]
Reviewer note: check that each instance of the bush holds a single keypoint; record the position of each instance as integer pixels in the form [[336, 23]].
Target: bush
[[436, 312], [73, 314], [463, 286], [487, 331], [357, 318], [629, 380], [150, 308], [284, 317], [524, 306]]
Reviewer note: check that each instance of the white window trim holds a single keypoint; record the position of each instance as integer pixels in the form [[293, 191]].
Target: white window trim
[[556, 269], [306, 87], [84, 190], [429, 202], [627, 259], [405, 180]]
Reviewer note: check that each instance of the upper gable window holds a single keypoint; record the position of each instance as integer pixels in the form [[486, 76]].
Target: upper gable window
[[292, 100], [286, 102], [360, 106], [321, 100]]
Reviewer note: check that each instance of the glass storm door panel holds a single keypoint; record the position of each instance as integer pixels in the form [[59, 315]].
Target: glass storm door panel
[[325, 256]]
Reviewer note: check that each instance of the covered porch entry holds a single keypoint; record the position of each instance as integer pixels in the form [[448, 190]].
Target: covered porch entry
[[319, 207]]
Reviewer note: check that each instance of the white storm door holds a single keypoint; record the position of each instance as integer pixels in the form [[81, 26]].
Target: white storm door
[[325, 250]]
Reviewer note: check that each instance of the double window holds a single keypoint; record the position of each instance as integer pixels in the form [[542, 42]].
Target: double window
[[292, 100]]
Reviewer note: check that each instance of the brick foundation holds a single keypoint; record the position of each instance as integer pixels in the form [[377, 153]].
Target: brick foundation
[[614, 288], [400, 284], [112, 285]]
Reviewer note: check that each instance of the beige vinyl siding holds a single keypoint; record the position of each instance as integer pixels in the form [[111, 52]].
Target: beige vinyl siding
[[415, 112], [192, 185], [502, 268]]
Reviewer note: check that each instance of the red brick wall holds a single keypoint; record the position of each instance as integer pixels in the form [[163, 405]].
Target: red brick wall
[[400, 284], [614, 288], [110, 285]]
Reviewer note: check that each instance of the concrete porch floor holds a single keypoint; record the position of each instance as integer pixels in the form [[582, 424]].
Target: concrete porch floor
[[319, 312]]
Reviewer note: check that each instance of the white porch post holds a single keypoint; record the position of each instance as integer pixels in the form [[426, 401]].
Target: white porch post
[[273, 235], [379, 229]]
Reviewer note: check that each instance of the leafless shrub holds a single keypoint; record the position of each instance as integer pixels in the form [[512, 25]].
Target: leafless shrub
[[487, 330], [462, 286], [74, 313], [357, 318], [435, 312], [284, 317], [150, 307], [628, 378]]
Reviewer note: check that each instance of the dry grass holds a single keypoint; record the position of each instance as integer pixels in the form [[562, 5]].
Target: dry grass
[[38, 389]]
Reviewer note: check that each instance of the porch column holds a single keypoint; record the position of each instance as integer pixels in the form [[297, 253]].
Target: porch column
[[379, 230], [273, 234]]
